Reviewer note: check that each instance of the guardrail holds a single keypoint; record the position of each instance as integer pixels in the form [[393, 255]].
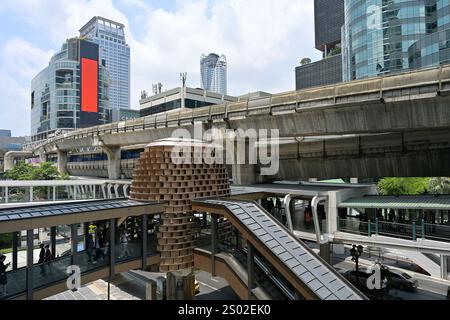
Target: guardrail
[[410, 231]]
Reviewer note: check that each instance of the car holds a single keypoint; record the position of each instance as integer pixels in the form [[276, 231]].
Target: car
[[358, 278], [402, 281]]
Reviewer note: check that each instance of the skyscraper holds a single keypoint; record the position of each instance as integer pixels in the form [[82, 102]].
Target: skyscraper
[[115, 53], [71, 92], [213, 70], [328, 21], [382, 37]]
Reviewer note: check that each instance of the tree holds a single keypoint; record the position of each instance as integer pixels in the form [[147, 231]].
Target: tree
[[403, 186], [305, 61], [45, 171], [439, 185]]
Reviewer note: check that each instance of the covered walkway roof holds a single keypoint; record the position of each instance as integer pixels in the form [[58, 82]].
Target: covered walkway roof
[[300, 189], [426, 202], [33, 217]]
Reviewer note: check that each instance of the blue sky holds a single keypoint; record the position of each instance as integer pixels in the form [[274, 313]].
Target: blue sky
[[263, 40]]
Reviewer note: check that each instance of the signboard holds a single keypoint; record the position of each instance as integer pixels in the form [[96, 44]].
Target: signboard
[[89, 84]]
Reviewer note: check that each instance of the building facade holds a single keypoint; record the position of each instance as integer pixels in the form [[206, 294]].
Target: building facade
[[180, 98], [382, 36], [115, 53], [328, 22], [124, 114], [70, 93], [213, 72], [320, 73]]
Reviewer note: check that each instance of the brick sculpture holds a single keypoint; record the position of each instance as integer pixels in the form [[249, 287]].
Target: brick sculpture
[[177, 180]]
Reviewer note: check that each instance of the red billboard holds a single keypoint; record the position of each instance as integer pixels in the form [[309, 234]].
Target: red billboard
[[89, 85]]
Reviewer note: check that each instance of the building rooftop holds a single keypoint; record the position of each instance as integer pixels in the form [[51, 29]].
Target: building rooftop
[[96, 18]]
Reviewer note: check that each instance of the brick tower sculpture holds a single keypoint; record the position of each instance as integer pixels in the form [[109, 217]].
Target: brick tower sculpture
[[164, 174]]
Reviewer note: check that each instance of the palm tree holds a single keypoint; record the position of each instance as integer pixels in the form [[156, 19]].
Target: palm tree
[[439, 185]]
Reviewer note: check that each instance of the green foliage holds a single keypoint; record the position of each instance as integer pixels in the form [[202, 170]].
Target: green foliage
[[335, 51], [440, 185], [403, 186], [5, 240], [305, 61], [45, 171]]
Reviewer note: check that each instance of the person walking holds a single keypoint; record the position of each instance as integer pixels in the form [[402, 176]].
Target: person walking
[[3, 276], [48, 257], [124, 239], [89, 247], [42, 259], [100, 246]]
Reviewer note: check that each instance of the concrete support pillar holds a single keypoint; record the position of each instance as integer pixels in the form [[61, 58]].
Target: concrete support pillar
[[54, 193], [53, 240], [250, 269], [214, 230], [325, 252], [244, 162], [30, 282], [62, 161], [444, 267], [15, 247], [244, 174], [43, 157], [114, 157], [144, 241], [8, 162]]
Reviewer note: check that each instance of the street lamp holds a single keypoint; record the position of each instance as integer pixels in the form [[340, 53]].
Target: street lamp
[[356, 252]]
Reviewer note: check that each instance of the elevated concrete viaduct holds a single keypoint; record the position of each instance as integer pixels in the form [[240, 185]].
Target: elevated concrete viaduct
[[409, 102]]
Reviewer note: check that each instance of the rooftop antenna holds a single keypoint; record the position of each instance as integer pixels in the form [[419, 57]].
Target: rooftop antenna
[[183, 77]]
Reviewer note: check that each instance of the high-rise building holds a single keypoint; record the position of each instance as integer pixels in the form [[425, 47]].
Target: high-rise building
[[115, 53], [382, 37], [328, 21], [71, 92], [213, 71]]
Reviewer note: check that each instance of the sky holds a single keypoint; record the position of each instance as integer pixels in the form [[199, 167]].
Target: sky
[[263, 40]]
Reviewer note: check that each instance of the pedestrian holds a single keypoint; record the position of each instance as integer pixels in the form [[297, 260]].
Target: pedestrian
[[124, 238], [48, 257], [278, 206], [3, 277], [42, 259], [100, 247], [89, 247], [353, 252]]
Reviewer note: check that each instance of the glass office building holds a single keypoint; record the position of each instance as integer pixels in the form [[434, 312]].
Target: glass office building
[[115, 53], [55, 94], [213, 72], [387, 36]]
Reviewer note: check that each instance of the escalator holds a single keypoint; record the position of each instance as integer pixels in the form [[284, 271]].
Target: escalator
[[310, 276]]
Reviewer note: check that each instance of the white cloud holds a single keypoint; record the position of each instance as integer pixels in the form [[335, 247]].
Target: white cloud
[[262, 39]]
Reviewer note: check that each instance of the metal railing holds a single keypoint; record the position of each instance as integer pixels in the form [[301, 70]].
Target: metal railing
[[410, 231]]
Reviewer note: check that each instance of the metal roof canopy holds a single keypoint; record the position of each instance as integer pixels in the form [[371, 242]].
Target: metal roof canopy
[[319, 277], [426, 202], [304, 189], [33, 217]]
